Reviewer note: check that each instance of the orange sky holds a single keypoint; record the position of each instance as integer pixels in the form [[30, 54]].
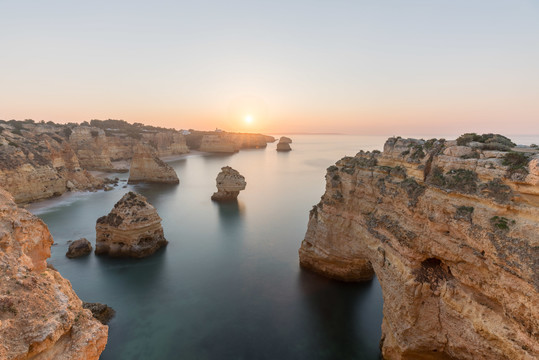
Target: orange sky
[[304, 66]]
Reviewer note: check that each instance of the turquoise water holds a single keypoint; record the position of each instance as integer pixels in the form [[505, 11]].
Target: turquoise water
[[228, 285]]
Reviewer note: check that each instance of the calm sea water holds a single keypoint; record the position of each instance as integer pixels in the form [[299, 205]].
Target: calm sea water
[[228, 285]]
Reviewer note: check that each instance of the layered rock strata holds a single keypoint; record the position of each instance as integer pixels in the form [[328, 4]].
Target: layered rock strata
[[284, 144], [229, 184], [132, 229], [41, 317], [147, 167], [451, 233], [218, 143], [37, 165]]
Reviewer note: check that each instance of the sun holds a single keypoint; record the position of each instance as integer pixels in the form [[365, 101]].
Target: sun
[[248, 119]]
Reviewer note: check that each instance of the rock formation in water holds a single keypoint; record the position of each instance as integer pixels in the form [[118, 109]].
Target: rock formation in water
[[450, 229], [284, 144], [147, 167], [100, 312], [229, 184], [78, 248], [132, 229], [41, 317]]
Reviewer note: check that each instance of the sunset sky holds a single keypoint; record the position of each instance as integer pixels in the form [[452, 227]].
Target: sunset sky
[[361, 67]]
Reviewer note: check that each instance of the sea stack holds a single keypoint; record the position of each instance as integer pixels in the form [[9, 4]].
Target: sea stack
[[450, 228], [41, 317], [284, 144], [229, 184], [147, 167], [132, 229]]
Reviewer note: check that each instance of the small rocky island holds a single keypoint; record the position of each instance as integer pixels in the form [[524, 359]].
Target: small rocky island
[[132, 229], [78, 248], [450, 228], [284, 144], [229, 184], [147, 167]]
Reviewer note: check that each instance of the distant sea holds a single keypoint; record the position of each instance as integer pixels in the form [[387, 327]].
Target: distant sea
[[228, 285]]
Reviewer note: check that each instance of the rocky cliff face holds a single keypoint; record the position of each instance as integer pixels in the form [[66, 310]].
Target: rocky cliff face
[[218, 143], [229, 184], [450, 229], [39, 163], [41, 317], [91, 146], [147, 167], [132, 229]]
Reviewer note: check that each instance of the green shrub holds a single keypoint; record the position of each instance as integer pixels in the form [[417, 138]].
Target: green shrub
[[516, 162], [501, 223]]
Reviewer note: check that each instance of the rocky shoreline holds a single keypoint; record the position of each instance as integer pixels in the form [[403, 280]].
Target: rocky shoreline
[[450, 230]]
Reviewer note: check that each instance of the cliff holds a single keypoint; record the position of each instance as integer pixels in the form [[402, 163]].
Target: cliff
[[226, 142], [131, 229], [41, 317], [147, 167], [38, 162], [450, 230]]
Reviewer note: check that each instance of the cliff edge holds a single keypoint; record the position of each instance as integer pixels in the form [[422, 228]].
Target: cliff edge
[[450, 228], [41, 317]]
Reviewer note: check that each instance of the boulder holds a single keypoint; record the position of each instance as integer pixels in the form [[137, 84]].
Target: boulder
[[229, 184], [132, 229], [78, 248]]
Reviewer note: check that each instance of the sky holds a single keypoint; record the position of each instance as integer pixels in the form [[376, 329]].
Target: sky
[[357, 67]]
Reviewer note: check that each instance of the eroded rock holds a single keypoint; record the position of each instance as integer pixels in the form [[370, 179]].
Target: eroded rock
[[147, 167], [284, 144], [229, 184], [453, 243], [132, 229], [78, 248], [41, 317]]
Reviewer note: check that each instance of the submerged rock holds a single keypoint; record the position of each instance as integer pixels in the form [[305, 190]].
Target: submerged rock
[[101, 312], [132, 229], [229, 184], [147, 167], [451, 237], [41, 317], [78, 248], [284, 144]]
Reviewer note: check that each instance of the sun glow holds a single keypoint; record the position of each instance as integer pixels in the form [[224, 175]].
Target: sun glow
[[248, 119]]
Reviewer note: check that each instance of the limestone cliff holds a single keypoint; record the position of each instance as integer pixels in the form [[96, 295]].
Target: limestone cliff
[[91, 146], [132, 229], [218, 143], [39, 163], [41, 317], [451, 231], [147, 167], [229, 184]]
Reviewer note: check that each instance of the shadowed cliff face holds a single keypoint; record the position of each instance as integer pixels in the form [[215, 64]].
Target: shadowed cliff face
[[451, 232], [41, 317]]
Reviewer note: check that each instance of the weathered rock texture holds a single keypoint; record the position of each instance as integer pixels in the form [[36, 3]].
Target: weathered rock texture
[[218, 143], [78, 248], [229, 184], [41, 317], [132, 229], [451, 232], [284, 144], [101, 312], [38, 163], [147, 167], [226, 142]]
